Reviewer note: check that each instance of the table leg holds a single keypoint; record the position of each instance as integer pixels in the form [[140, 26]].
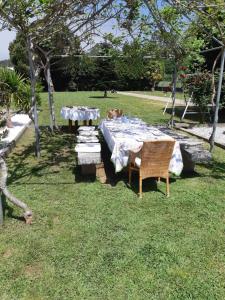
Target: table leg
[[90, 122], [70, 125]]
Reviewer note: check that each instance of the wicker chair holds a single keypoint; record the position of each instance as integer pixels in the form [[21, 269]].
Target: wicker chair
[[114, 113], [152, 161]]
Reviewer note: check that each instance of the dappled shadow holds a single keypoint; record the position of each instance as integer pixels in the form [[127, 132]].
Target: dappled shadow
[[189, 174], [57, 149], [217, 169], [148, 185], [8, 210], [193, 114], [78, 177]]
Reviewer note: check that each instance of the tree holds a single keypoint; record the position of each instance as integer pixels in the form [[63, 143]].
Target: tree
[[18, 55], [210, 17], [105, 75], [178, 43], [154, 72], [26, 17], [12, 86]]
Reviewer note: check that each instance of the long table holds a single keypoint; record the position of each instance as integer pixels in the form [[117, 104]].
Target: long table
[[80, 113], [128, 134]]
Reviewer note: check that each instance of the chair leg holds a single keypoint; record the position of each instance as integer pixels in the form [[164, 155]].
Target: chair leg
[[140, 186], [129, 172], [167, 187]]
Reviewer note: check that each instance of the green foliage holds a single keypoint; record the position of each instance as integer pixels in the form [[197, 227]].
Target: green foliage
[[19, 56], [11, 85], [154, 72], [15, 90], [199, 86]]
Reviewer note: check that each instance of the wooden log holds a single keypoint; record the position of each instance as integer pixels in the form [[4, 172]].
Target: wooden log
[[88, 169], [197, 154], [192, 149], [100, 173], [70, 125]]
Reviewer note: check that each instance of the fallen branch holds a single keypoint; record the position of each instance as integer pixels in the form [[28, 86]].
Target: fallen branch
[[3, 179]]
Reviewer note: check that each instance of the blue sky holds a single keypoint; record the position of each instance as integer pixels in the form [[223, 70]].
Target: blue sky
[[8, 36], [5, 38]]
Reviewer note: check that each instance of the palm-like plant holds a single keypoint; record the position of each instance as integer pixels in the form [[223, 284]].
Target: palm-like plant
[[12, 86]]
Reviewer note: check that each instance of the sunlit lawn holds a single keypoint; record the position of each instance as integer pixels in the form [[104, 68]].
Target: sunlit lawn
[[95, 241]]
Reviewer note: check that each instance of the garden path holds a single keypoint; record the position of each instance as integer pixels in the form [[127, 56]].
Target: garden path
[[156, 98]]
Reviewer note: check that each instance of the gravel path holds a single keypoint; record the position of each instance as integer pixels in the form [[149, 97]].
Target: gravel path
[[155, 98]]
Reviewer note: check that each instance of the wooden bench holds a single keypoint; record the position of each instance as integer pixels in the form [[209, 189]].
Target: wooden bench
[[192, 149]]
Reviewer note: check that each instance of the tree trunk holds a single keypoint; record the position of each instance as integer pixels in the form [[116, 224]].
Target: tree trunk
[[48, 78], [9, 123], [105, 94], [174, 90], [4, 173], [212, 137], [33, 95], [213, 79], [1, 210]]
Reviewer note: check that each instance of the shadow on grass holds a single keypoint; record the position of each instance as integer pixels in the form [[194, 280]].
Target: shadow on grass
[[57, 150], [148, 185], [8, 210], [192, 114], [101, 97], [78, 177]]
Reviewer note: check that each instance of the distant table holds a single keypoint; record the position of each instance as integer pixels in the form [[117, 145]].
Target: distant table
[[128, 134], [80, 113]]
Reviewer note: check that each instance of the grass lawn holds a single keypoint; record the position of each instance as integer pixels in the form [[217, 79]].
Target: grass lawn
[[96, 241]]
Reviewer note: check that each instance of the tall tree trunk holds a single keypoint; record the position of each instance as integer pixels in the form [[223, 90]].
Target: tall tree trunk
[[174, 90], [105, 94], [48, 78], [213, 79], [212, 137], [33, 95], [3, 179]]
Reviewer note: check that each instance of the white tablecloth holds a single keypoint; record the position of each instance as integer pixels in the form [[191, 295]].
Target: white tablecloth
[[80, 113], [125, 134]]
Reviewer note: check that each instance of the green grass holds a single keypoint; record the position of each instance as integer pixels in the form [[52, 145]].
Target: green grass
[[96, 241]]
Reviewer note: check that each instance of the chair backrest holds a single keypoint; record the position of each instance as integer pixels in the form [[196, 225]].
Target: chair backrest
[[155, 158], [114, 113]]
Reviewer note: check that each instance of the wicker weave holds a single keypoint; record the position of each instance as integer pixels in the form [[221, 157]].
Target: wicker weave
[[155, 159], [114, 113]]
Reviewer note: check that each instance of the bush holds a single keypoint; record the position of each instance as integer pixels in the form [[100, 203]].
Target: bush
[[199, 86]]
